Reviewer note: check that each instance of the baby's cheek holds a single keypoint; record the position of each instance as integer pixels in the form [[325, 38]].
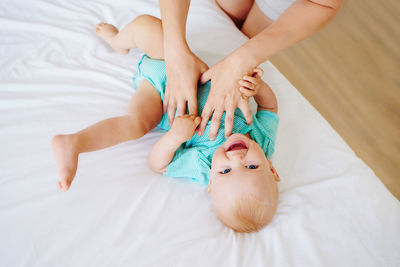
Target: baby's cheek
[[256, 149], [216, 157]]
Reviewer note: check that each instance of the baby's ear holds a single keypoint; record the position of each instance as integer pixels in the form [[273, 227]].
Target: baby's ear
[[276, 175]]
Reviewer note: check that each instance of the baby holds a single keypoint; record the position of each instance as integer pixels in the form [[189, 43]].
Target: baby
[[241, 180]]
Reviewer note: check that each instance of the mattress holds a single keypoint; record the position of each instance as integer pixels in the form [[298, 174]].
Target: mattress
[[57, 76]]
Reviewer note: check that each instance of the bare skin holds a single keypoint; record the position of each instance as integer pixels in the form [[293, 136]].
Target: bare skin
[[144, 32], [108, 32], [300, 20], [137, 121], [140, 119], [67, 159], [183, 67]]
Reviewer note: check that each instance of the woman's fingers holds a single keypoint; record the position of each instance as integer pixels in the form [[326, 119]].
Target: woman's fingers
[[206, 76], [171, 111], [172, 103], [192, 104], [181, 107], [192, 101], [165, 100], [215, 121], [205, 116], [183, 76], [244, 107], [229, 118]]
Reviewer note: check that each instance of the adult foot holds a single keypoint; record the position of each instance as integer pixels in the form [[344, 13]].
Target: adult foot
[[107, 32], [66, 158]]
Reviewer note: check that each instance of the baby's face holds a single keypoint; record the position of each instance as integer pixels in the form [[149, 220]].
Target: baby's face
[[240, 169]]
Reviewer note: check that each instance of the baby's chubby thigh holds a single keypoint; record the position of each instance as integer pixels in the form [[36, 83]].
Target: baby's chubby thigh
[[145, 106]]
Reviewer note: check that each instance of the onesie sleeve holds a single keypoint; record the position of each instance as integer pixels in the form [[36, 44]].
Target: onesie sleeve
[[189, 163], [264, 128]]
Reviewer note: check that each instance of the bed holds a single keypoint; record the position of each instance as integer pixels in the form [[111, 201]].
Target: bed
[[57, 76]]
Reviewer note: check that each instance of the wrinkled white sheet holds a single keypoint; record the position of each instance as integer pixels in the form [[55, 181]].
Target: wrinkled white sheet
[[56, 76]]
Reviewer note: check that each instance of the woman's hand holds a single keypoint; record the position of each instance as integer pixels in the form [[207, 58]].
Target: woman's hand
[[225, 95], [183, 72]]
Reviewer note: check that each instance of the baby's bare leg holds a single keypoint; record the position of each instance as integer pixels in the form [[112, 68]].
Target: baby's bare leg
[[144, 32], [143, 114]]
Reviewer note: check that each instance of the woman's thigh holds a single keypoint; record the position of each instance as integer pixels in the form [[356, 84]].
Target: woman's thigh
[[246, 15], [237, 10], [255, 22]]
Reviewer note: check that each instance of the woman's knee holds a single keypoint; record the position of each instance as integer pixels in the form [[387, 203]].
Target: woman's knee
[[237, 10], [256, 21]]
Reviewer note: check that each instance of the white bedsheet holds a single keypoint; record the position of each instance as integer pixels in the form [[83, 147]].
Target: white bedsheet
[[56, 76]]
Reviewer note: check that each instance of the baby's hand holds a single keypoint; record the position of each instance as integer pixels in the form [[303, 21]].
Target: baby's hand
[[184, 126], [250, 85]]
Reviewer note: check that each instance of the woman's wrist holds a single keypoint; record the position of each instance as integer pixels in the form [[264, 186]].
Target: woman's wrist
[[260, 48], [176, 47], [177, 56], [245, 57]]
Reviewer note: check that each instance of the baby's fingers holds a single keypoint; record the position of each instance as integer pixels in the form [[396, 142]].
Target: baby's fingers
[[258, 72], [246, 84], [247, 92], [197, 121], [250, 79]]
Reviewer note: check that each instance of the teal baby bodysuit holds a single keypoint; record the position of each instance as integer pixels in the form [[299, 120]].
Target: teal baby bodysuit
[[193, 158]]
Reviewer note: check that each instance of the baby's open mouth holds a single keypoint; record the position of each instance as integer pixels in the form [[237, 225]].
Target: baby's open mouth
[[237, 145]]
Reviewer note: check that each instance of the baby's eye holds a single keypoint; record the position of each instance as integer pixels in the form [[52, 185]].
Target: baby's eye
[[225, 171], [252, 167]]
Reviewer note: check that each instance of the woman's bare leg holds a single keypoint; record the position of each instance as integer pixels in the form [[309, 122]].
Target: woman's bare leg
[[256, 21], [237, 10], [143, 114], [246, 15], [144, 32]]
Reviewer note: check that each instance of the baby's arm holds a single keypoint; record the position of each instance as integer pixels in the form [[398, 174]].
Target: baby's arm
[[262, 93], [163, 151]]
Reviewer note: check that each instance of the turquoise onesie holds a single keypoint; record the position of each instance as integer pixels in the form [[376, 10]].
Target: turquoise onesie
[[193, 158]]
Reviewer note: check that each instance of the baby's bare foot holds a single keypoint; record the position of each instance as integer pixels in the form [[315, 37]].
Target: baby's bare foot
[[107, 32], [66, 158]]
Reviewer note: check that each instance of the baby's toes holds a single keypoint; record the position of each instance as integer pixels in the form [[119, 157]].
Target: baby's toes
[[63, 185], [60, 186], [99, 26]]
